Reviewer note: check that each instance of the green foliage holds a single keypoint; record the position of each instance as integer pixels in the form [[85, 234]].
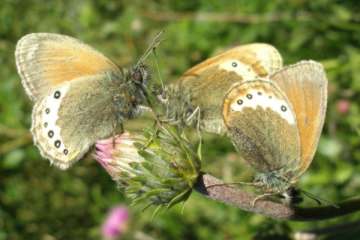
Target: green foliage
[[41, 202]]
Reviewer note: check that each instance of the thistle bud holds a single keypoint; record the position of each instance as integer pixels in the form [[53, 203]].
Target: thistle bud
[[158, 167], [116, 154]]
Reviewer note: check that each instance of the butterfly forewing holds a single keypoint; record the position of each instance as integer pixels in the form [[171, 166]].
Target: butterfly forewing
[[208, 81], [305, 85], [71, 117], [259, 58], [262, 125], [207, 91], [44, 60]]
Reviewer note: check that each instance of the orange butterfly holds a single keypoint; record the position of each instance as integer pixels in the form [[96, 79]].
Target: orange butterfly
[[276, 122]]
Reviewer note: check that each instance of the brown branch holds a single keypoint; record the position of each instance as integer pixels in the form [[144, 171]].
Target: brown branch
[[244, 200]]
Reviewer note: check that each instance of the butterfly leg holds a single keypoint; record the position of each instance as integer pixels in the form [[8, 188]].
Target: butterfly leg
[[196, 114], [253, 203], [153, 135], [118, 129], [144, 109], [199, 133]]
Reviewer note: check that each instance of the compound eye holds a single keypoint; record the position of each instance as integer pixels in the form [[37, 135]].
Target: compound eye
[[137, 76]]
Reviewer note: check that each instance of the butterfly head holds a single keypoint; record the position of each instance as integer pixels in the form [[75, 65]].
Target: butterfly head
[[140, 75], [136, 85]]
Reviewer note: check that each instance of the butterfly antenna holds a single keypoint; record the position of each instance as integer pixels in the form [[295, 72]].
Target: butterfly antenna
[[158, 70], [152, 46], [151, 102], [317, 199]]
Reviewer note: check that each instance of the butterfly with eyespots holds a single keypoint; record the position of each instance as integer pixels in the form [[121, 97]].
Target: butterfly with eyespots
[[275, 123], [80, 95]]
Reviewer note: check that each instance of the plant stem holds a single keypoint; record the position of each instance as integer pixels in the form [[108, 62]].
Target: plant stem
[[244, 200]]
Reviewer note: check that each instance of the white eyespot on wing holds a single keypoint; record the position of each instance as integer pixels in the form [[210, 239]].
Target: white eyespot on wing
[[241, 69], [46, 132], [255, 99]]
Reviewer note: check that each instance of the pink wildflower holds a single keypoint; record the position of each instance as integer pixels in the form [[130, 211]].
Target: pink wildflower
[[116, 153], [343, 106], [115, 223]]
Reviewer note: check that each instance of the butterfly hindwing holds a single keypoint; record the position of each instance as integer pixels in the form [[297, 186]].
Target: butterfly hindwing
[[305, 85], [70, 118], [45, 60], [262, 125]]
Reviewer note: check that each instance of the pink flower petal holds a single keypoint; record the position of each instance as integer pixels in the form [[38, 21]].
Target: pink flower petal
[[343, 106], [115, 222]]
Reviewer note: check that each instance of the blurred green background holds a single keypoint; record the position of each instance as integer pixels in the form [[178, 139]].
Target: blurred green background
[[41, 202]]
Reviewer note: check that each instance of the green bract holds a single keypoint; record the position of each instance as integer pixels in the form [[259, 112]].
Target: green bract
[[169, 169]]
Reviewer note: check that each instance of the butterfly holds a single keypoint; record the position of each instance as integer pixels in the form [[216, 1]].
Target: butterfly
[[202, 88], [275, 123], [79, 95]]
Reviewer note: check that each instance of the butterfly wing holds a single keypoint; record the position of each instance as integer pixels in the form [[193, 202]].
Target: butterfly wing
[[262, 125], [305, 85], [70, 118], [257, 59], [208, 81], [45, 60]]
